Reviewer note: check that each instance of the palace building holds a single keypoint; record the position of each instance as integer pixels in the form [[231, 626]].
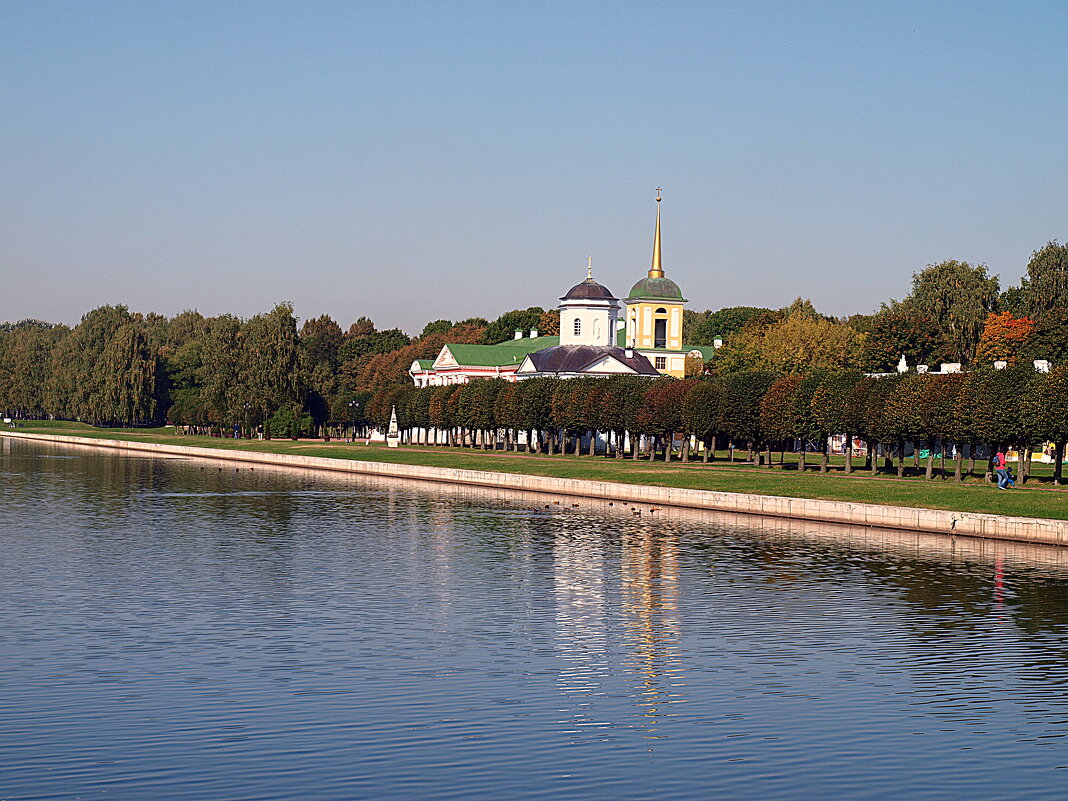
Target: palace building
[[597, 337]]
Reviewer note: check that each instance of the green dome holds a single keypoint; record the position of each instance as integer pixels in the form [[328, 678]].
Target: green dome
[[656, 289]]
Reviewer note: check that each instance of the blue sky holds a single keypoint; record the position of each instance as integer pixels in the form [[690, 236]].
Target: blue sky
[[415, 161]]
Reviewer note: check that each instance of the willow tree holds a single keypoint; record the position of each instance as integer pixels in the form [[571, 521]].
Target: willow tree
[[957, 297], [269, 372], [125, 378], [220, 390], [1046, 284]]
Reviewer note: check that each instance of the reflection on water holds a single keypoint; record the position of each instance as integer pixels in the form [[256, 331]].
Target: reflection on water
[[650, 605], [179, 628], [582, 634]]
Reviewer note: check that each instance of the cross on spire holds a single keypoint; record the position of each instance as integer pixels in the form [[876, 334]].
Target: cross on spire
[[658, 190]]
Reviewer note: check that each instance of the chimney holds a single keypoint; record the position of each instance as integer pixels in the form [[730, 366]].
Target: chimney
[[629, 353], [1000, 365], [518, 334], [533, 332], [1042, 365], [717, 343]]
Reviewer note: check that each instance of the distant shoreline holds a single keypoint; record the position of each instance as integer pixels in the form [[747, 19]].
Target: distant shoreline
[[934, 521]]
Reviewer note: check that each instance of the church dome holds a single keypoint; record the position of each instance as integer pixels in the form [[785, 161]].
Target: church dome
[[589, 290], [662, 288]]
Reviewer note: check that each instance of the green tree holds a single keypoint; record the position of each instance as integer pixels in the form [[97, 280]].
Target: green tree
[[899, 331], [701, 411], [777, 423], [799, 342], [957, 297], [1046, 285], [505, 326], [269, 372], [834, 413], [1046, 413], [938, 417], [742, 393]]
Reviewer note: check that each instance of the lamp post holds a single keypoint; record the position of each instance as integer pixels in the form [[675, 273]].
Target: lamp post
[[354, 407]]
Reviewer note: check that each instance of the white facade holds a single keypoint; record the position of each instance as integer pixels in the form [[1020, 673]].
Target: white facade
[[588, 321]]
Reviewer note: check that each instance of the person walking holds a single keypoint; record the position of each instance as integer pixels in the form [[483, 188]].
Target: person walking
[[1002, 469]]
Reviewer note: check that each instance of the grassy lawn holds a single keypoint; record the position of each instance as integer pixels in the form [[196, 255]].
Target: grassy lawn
[[1038, 499]]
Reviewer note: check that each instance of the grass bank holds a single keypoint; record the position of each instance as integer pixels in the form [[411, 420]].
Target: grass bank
[[1037, 499]]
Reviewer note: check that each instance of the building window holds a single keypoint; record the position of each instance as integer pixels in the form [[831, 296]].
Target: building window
[[578, 327], [660, 334], [660, 362]]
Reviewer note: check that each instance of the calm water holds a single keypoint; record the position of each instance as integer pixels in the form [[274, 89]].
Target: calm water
[[173, 629]]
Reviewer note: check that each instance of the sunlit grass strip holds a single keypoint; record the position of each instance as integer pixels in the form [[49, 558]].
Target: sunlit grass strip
[[722, 476]]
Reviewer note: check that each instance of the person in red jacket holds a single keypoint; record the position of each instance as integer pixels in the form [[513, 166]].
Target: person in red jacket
[[1002, 469]]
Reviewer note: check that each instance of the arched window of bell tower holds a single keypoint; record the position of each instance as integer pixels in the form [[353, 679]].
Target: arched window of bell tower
[[578, 327]]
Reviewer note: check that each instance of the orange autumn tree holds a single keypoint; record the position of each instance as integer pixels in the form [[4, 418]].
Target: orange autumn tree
[[1002, 337]]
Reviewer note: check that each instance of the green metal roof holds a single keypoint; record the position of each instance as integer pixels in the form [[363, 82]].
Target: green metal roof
[[425, 364], [706, 351], [656, 289], [504, 353]]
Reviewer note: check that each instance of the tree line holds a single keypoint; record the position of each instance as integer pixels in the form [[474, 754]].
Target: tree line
[[268, 373], [767, 414]]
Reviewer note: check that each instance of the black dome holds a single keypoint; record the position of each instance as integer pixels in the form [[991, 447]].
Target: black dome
[[589, 290]]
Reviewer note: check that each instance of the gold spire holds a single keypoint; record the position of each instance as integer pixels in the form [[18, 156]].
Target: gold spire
[[589, 268], [657, 270]]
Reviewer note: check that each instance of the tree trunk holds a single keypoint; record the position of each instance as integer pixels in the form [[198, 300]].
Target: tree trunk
[[801, 459], [971, 460], [710, 443], [1058, 457], [826, 455], [930, 462], [848, 453], [1025, 471], [593, 443], [900, 459], [669, 441], [873, 455]]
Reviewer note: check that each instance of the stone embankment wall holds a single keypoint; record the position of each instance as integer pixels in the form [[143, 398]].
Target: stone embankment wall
[[1019, 529]]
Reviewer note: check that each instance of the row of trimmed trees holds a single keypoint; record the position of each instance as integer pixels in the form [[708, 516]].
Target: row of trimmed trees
[[763, 413]]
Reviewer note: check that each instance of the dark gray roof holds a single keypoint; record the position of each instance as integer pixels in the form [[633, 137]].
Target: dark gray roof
[[589, 290], [576, 358]]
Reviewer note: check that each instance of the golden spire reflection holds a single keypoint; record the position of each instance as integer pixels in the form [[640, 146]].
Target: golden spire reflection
[[650, 600], [657, 270]]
